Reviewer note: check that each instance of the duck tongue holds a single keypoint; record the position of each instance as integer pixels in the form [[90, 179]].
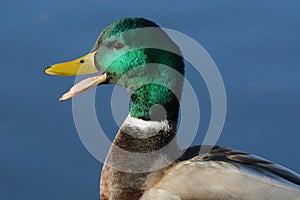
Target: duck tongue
[[84, 85]]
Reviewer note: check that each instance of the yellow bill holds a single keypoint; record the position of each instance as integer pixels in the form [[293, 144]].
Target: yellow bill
[[83, 65]]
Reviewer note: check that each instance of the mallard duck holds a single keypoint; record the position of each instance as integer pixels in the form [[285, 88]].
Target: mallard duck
[[144, 161]]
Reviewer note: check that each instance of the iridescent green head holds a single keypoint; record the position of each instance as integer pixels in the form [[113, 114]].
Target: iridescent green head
[[140, 56]]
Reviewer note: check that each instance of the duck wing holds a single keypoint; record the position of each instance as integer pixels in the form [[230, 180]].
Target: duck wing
[[224, 173], [239, 158]]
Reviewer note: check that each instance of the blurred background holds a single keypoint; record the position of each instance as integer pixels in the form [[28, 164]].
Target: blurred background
[[255, 45]]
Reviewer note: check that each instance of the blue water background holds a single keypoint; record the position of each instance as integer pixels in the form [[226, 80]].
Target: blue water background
[[255, 45]]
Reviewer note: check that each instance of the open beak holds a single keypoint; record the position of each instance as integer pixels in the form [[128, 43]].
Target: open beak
[[83, 65], [84, 85]]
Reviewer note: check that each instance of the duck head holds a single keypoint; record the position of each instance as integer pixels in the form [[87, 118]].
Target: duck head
[[137, 54]]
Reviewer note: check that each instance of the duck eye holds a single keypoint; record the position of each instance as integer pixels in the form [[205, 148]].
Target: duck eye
[[115, 45], [118, 45]]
